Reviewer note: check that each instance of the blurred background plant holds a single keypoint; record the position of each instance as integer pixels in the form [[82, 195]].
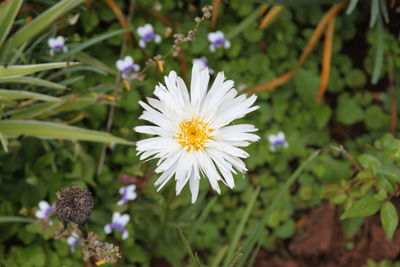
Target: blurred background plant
[[325, 74]]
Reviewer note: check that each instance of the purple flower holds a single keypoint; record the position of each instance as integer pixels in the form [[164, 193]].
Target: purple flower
[[127, 67], [73, 241], [44, 210], [217, 39], [203, 63], [128, 193], [56, 45], [277, 141], [147, 34], [118, 222]]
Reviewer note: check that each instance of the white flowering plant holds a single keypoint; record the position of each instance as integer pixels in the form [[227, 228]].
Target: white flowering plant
[[241, 134]]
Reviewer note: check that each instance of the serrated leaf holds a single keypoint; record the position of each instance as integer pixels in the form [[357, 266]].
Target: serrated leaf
[[362, 208], [389, 219]]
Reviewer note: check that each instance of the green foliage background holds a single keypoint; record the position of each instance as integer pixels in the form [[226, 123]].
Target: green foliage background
[[34, 169]]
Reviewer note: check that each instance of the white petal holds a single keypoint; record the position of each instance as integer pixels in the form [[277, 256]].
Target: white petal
[[281, 136], [157, 39], [272, 138], [52, 42], [227, 44], [40, 214], [124, 219], [116, 216], [125, 235], [142, 44], [44, 205], [107, 229], [60, 40], [194, 186], [212, 48], [198, 85]]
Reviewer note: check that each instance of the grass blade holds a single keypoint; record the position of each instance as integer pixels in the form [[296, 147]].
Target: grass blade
[[91, 42], [245, 23], [19, 70], [8, 12], [255, 237], [378, 63], [351, 7], [94, 62], [239, 230], [40, 23], [18, 94], [193, 257], [4, 142], [203, 216], [51, 130], [374, 13], [15, 219], [33, 81]]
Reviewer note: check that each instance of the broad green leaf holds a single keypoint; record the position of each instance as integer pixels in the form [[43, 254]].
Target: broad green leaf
[[33, 81], [40, 23], [17, 94], [15, 219], [8, 12], [91, 42], [18, 70], [369, 162], [389, 219], [391, 172], [51, 130], [362, 208]]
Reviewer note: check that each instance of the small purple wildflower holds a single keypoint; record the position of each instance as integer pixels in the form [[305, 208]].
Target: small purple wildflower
[[56, 45], [44, 210], [217, 39], [73, 241], [202, 61], [128, 193], [147, 34], [277, 141], [127, 67], [118, 222]]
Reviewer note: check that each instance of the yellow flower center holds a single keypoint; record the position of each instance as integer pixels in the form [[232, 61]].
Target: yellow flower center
[[193, 134]]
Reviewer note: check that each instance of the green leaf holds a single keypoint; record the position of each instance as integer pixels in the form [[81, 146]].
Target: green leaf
[[193, 257], [4, 142], [40, 23], [17, 94], [389, 219], [94, 62], [18, 70], [33, 110], [91, 42], [349, 111], [50, 130], [362, 208], [8, 12], [15, 219], [307, 84], [369, 162], [33, 81]]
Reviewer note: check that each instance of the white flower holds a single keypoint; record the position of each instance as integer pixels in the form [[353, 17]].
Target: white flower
[[118, 222], [44, 210], [193, 135], [128, 193], [127, 67], [57, 44], [203, 63], [217, 39], [277, 141], [73, 241], [147, 34]]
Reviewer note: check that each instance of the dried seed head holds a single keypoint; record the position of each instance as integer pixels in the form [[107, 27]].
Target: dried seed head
[[73, 204]]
